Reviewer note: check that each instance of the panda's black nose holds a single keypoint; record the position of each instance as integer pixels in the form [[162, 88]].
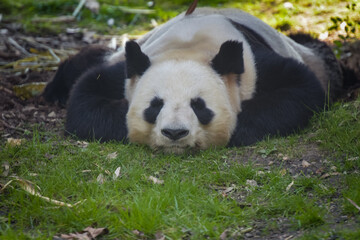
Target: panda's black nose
[[174, 134]]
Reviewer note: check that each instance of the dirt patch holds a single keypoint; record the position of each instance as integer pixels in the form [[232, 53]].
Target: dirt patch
[[309, 161], [20, 114]]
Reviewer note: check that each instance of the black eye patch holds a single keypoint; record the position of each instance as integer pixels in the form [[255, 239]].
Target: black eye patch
[[151, 113], [204, 114]]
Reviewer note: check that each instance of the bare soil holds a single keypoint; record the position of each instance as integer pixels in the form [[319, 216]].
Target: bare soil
[[20, 115]]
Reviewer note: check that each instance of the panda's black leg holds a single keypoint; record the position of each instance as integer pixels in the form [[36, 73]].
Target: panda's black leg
[[70, 70], [287, 96], [96, 109]]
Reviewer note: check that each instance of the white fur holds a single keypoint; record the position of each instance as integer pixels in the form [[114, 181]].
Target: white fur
[[177, 82]]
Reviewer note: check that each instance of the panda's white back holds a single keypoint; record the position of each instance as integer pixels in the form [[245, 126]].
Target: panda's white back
[[213, 25]]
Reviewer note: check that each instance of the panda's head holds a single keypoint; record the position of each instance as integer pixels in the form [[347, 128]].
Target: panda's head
[[179, 104]]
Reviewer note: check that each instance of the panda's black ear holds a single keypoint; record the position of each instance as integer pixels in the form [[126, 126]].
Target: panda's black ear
[[136, 61], [229, 58]]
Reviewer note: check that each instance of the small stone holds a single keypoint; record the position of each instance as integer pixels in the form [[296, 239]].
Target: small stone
[[249, 235], [52, 114], [251, 183]]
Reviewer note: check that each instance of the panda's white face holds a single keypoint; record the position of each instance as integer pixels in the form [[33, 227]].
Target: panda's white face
[[176, 105]]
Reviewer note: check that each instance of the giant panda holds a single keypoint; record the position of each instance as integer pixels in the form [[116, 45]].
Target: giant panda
[[215, 77]]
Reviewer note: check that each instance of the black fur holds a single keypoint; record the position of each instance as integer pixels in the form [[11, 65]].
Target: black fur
[[287, 95], [151, 113], [253, 38], [229, 59], [136, 61], [204, 114], [332, 66], [70, 70], [97, 108]]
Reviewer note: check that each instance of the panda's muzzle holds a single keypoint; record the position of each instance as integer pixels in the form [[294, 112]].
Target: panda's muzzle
[[174, 134]]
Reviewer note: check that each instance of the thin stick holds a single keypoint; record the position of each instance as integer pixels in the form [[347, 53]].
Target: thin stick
[[16, 45], [191, 8], [11, 127], [78, 8], [353, 203]]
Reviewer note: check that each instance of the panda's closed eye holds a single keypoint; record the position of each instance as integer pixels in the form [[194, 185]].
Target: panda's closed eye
[[151, 113], [204, 114]]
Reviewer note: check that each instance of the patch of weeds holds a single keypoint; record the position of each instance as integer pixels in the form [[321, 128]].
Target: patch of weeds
[[348, 24], [265, 152], [351, 194], [335, 233], [308, 214], [339, 129], [346, 234], [347, 28]]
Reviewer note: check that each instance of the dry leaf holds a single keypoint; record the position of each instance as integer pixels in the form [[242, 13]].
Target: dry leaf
[[156, 180], [326, 175], [283, 172], [117, 173], [100, 179], [228, 190], [105, 170], [251, 183], [112, 155], [14, 142], [6, 170], [95, 232], [88, 233], [52, 114], [138, 233], [289, 186], [353, 159], [305, 164], [159, 236], [93, 6], [73, 236], [29, 90], [224, 234], [82, 144]]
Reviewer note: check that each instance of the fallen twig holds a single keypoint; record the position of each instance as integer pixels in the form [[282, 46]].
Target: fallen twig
[[11, 127], [133, 10], [60, 19], [17, 46], [353, 203], [33, 189], [78, 8]]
